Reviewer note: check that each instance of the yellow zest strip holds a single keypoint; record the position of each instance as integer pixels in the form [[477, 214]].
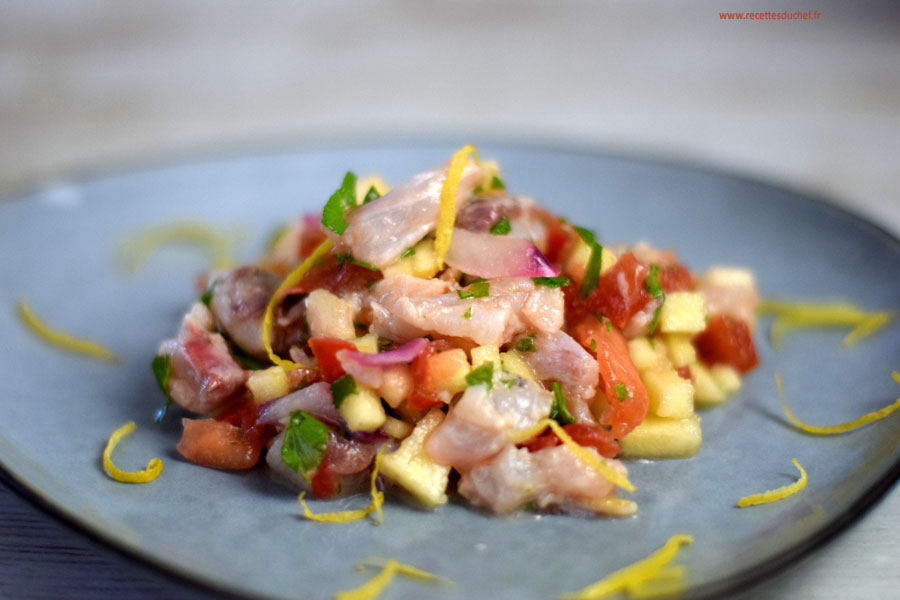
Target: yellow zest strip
[[797, 315], [346, 516], [447, 215], [292, 279], [217, 244], [154, 467], [843, 427], [389, 568], [634, 578], [581, 453], [778, 493], [62, 340]]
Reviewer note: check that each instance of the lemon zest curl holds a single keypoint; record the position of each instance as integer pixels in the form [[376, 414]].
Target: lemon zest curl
[[778, 493], [154, 467], [345, 516], [63, 340]]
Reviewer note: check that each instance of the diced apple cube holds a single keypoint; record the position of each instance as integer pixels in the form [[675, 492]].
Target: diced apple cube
[[707, 391], [268, 384], [659, 437], [514, 364], [578, 259], [729, 277], [329, 316], [670, 394], [411, 468], [448, 370], [396, 384], [683, 312], [483, 354], [646, 354], [727, 377], [421, 263], [362, 410], [396, 428], [680, 350], [367, 343]]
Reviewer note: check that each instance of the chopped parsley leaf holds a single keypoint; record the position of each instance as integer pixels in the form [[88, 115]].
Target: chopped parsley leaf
[[206, 298], [497, 183], [477, 190], [608, 325], [525, 344], [408, 252], [345, 257], [558, 410], [372, 194], [651, 283], [477, 289], [162, 369], [593, 345], [621, 391], [303, 445], [343, 199], [509, 382], [468, 314], [594, 264], [483, 374], [341, 388], [501, 227], [551, 282]]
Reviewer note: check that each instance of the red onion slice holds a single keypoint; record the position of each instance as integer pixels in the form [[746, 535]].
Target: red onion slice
[[489, 256], [404, 354], [314, 399]]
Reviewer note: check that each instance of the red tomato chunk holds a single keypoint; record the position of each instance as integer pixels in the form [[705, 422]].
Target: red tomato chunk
[[727, 340], [219, 444], [620, 292]]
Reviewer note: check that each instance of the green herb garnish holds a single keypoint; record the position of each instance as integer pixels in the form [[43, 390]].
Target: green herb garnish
[[594, 264], [372, 194], [468, 314], [525, 344], [558, 410], [593, 345], [501, 227], [483, 374], [304, 443], [651, 283], [621, 391], [408, 252], [162, 369], [341, 388], [551, 282], [477, 289], [509, 382], [348, 258], [342, 200], [497, 183], [608, 325]]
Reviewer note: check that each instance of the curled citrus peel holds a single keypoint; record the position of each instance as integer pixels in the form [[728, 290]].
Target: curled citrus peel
[[447, 214], [389, 569], [644, 577], [778, 493], [292, 279], [216, 244], [345, 516], [60, 339], [154, 467], [798, 315], [581, 453], [842, 427]]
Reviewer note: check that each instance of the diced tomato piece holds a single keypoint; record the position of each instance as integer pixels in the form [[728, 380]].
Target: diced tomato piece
[[325, 350], [616, 367], [219, 444], [311, 236], [424, 395], [335, 276], [727, 340], [240, 414], [620, 292], [559, 234], [675, 278], [324, 481], [583, 434]]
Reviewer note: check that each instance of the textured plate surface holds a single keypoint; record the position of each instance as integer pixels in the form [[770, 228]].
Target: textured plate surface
[[241, 532]]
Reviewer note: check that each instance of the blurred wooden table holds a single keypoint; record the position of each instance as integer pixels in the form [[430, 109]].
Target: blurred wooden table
[[104, 84]]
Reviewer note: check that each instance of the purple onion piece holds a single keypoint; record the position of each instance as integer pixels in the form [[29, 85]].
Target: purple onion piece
[[314, 399], [404, 354]]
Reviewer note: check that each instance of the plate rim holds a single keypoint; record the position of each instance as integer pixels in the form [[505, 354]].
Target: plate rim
[[15, 480]]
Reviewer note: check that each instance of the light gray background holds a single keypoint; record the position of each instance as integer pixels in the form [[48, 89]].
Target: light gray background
[[87, 86]]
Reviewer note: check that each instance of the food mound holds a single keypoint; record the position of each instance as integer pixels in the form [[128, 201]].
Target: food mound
[[466, 330]]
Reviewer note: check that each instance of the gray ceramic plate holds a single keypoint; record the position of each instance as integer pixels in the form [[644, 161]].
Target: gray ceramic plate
[[240, 532]]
